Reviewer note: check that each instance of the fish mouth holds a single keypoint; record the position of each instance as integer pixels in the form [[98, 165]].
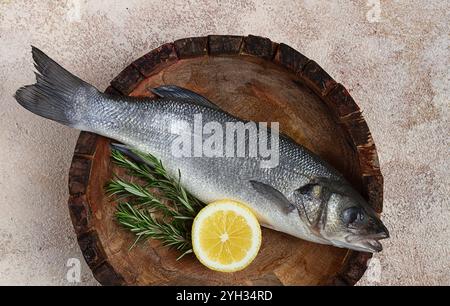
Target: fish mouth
[[368, 243], [373, 245]]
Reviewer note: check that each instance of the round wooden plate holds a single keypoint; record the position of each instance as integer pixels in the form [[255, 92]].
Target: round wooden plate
[[256, 79]]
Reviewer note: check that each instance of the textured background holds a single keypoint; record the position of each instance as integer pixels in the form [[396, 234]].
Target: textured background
[[396, 66]]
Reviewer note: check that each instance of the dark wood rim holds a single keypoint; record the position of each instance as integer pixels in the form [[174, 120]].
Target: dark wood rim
[[336, 97]]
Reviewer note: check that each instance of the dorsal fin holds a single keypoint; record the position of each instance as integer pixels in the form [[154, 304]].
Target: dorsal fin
[[173, 91]]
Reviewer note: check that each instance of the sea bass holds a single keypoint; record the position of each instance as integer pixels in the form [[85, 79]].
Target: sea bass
[[302, 196]]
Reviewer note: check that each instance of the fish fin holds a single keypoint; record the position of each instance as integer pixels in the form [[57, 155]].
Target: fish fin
[[173, 91], [53, 96], [273, 195], [126, 150]]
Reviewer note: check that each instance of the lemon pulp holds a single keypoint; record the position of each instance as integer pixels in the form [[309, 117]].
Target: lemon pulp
[[226, 236]]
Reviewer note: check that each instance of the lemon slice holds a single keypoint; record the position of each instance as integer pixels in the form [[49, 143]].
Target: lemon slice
[[226, 236]]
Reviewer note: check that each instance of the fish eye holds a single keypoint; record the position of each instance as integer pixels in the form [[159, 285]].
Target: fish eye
[[352, 214]]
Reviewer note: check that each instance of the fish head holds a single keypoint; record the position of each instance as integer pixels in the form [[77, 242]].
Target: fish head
[[340, 215], [352, 223]]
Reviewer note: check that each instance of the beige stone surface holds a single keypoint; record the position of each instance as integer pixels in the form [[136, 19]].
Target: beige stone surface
[[396, 66]]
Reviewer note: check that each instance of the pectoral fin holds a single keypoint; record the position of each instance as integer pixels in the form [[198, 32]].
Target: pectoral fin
[[273, 195], [173, 91]]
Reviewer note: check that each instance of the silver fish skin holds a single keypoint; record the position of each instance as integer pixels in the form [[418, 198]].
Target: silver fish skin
[[303, 196]]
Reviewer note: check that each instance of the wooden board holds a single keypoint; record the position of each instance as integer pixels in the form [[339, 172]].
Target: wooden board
[[255, 79]]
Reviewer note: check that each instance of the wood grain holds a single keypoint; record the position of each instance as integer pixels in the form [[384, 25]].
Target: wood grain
[[255, 79]]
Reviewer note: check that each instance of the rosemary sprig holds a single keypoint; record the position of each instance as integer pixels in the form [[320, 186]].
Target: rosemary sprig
[[146, 226], [157, 207], [153, 173]]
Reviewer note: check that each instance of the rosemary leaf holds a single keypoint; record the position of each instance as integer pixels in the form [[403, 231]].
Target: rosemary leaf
[[156, 206]]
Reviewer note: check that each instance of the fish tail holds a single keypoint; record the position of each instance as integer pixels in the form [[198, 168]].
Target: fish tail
[[57, 94]]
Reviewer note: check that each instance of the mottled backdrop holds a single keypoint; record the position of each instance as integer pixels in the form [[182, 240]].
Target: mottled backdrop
[[393, 56]]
